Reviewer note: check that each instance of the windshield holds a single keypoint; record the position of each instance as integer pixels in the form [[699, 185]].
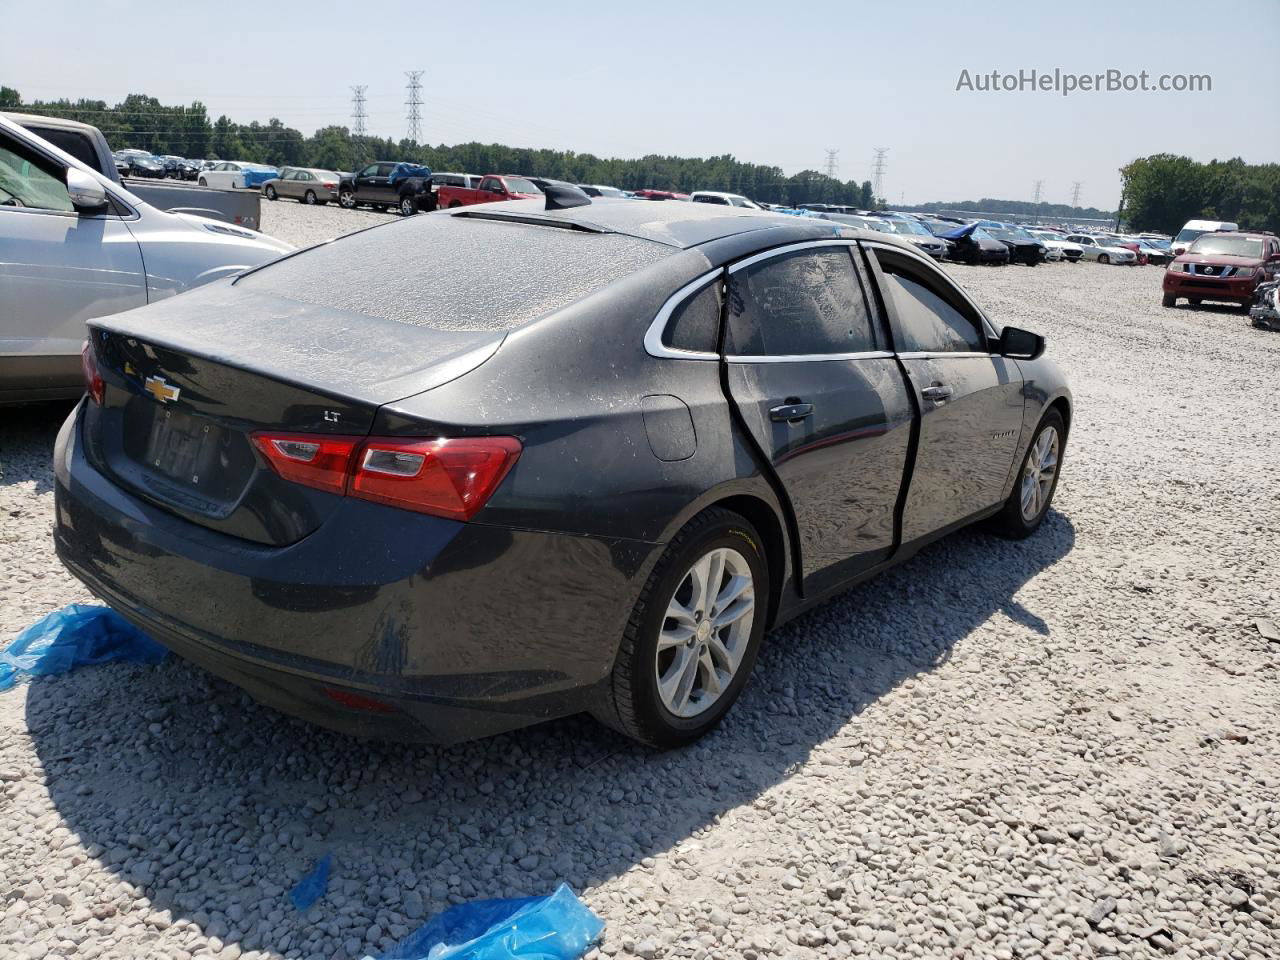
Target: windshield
[[1000, 233], [1186, 236], [909, 227], [1228, 245], [521, 185], [610, 192]]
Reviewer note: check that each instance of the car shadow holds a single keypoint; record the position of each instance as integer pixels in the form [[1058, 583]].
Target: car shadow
[[27, 434], [217, 838]]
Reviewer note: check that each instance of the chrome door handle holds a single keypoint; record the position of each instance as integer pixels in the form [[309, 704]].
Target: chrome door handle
[[936, 392], [791, 412]]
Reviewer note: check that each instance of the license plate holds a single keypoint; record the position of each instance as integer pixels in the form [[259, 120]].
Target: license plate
[[180, 446]]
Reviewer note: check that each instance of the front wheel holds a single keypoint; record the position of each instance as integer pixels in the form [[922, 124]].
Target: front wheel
[[692, 638], [1103, 258], [1168, 300], [202, 182], [271, 193], [347, 199], [407, 206], [1029, 501]]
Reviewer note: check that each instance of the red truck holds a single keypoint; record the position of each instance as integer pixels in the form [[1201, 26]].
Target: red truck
[[493, 187]]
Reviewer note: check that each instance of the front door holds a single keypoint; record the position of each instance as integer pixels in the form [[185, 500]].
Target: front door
[[811, 375], [970, 399], [57, 270]]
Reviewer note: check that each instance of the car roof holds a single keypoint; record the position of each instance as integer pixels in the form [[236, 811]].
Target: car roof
[[680, 225]]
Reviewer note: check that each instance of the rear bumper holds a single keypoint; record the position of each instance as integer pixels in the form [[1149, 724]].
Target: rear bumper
[[381, 623], [1208, 288]]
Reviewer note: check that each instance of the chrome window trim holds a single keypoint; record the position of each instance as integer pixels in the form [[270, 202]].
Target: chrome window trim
[[943, 354], [809, 357], [653, 344], [988, 327], [790, 248]]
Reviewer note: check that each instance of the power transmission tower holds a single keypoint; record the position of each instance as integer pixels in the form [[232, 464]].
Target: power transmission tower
[[832, 164], [877, 172], [358, 113], [1075, 193], [414, 104], [1039, 190]]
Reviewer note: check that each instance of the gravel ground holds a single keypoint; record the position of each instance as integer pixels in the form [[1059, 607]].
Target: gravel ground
[[1060, 747]]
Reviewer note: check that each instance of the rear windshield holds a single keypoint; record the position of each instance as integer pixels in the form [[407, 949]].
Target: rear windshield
[[1229, 246], [453, 273]]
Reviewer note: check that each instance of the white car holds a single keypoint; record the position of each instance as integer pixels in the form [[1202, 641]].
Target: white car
[[75, 246], [229, 174], [1059, 247], [725, 199], [1095, 249]]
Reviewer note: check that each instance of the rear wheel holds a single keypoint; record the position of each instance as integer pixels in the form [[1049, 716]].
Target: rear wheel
[[347, 199], [454, 203], [1103, 258], [1168, 300], [407, 206], [271, 193], [692, 638], [1029, 501], [309, 198]]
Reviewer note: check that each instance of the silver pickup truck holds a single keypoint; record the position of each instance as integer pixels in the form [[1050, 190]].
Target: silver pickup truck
[[88, 145]]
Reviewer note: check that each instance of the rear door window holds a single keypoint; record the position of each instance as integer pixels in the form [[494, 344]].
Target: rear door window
[[800, 303]]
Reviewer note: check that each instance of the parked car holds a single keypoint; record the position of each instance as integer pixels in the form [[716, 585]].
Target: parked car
[[1225, 267], [147, 167], [87, 144], [1100, 251], [1195, 228], [305, 184], [647, 194], [973, 245], [490, 539], [849, 220], [1058, 247], [388, 183], [600, 190], [724, 199], [236, 175], [493, 188], [455, 179], [1153, 252], [1023, 248], [915, 233], [74, 245]]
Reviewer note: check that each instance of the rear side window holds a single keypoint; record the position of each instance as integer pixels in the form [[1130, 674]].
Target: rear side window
[[695, 323], [929, 318], [801, 303]]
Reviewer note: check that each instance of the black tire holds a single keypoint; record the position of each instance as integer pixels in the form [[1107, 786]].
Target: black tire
[[1010, 522], [271, 193], [1103, 258], [1168, 300], [309, 198], [632, 703], [346, 199], [202, 182], [454, 203], [408, 206]]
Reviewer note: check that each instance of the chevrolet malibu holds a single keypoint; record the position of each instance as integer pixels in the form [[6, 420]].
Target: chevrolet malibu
[[579, 456]]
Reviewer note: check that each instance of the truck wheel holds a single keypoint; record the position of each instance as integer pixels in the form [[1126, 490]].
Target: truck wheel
[[347, 200], [407, 206], [1168, 300], [271, 192], [309, 198]]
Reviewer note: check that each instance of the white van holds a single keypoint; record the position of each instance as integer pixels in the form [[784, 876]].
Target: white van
[[1194, 228]]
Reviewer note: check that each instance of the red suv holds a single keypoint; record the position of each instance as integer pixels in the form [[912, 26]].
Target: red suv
[[1222, 266]]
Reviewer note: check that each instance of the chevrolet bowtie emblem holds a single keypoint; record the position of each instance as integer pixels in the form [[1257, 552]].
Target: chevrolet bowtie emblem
[[160, 389]]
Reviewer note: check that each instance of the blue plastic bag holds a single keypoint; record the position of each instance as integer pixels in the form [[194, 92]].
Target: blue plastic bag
[[312, 887], [558, 927], [77, 635]]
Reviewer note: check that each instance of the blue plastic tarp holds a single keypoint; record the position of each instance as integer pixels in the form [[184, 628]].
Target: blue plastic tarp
[[558, 927], [959, 232], [312, 887], [75, 636]]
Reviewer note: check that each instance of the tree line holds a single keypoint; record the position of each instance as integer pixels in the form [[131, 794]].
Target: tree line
[[1021, 208], [1164, 191], [145, 123]]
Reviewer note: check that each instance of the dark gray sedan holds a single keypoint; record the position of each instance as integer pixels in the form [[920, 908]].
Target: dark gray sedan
[[569, 459]]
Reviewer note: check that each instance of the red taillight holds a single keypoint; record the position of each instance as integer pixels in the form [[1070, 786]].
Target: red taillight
[[93, 384], [311, 459], [451, 477], [356, 701], [329, 186]]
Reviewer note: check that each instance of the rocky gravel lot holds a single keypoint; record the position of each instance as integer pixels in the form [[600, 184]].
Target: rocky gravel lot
[[1064, 747]]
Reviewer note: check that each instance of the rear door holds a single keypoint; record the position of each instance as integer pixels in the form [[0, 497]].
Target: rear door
[[970, 399], [57, 269], [811, 374]]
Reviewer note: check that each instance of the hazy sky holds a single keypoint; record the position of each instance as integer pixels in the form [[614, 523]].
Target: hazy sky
[[767, 82]]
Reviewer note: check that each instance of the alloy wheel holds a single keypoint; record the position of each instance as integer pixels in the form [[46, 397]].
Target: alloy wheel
[[1039, 473], [705, 633]]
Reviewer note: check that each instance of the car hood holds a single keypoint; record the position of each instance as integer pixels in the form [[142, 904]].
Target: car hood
[[1219, 260], [209, 225]]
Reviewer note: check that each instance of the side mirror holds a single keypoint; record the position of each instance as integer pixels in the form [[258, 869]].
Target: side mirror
[[1020, 344], [87, 194]]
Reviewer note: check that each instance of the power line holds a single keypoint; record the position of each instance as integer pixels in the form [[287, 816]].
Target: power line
[[1075, 193], [833, 165], [358, 114], [877, 171], [415, 104], [1038, 191]]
